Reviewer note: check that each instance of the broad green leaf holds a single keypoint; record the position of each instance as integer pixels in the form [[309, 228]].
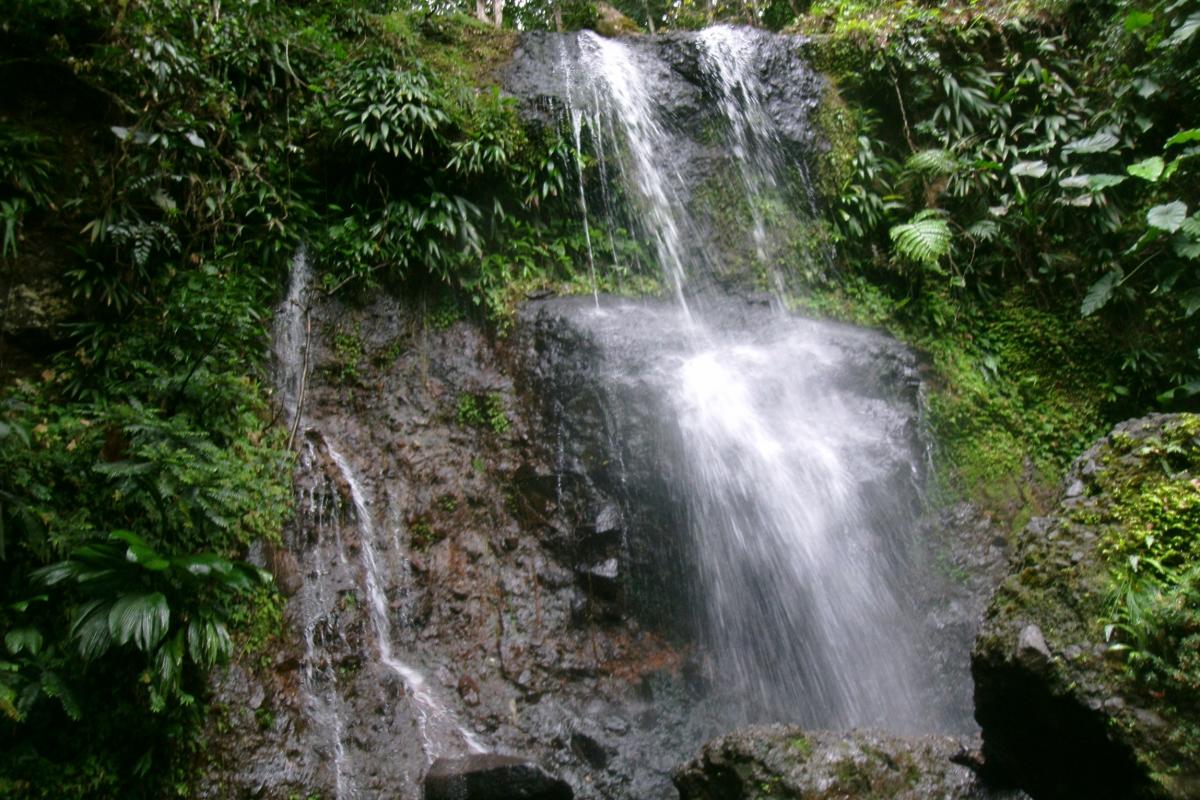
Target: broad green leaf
[[1100, 293], [1032, 169], [1098, 143], [89, 627], [1183, 137], [28, 639], [1104, 181], [1186, 390], [1167, 217], [1190, 300], [1136, 20], [1185, 246], [1150, 169]]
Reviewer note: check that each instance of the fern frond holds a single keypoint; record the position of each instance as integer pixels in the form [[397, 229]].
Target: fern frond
[[924, 239], [933, 162]]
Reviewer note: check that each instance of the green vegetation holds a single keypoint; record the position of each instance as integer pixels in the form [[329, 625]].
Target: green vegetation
[[483, 411], [185, 153], [1150, 542], [1025, 221]]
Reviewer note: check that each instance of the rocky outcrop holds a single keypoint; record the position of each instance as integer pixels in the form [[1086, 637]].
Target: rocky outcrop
[[1061, 714], [786, 762], [488, 776]]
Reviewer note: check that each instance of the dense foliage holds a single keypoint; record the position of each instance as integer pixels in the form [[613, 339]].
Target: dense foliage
[[184, 155]]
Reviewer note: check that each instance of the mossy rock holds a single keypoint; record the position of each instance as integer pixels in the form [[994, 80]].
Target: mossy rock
[[784, 761], [1067, 707], [611, 22]]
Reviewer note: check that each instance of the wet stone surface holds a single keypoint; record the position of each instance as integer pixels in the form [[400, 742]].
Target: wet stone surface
[[507, 562]]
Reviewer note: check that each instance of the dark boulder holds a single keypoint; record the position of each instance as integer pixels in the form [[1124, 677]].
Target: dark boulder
[[786, 761], [1063, 715], [489, 776]]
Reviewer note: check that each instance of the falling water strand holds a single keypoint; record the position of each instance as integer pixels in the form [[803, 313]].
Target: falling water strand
[[320, 681], [632, 106], [576, 127], [728, 52], [433, 717]]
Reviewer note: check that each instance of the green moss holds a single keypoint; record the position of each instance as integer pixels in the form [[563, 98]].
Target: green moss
[[838, 127], [802, 746]]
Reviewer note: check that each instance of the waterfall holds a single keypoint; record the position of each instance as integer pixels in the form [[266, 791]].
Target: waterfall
[[798, 487]]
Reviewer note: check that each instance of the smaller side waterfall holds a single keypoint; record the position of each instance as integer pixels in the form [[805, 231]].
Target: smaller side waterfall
[[437, 722]]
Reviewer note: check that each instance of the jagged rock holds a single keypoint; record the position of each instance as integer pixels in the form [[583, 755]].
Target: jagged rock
[[490, 776], [1060, 713], [786, 761]]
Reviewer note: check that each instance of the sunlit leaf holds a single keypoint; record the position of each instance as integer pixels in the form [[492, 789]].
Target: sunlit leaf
[[1167, 217], [1136, 20], [1031, 169], [1150, 169]]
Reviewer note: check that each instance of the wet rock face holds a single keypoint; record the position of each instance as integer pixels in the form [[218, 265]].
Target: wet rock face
[[785, 761], [535, 76], [501, 574], [492, 777], [1060, 713]]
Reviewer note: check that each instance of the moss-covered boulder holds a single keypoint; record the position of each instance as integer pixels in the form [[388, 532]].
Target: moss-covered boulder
[[784, 761], [611, 22], [1087, 667]]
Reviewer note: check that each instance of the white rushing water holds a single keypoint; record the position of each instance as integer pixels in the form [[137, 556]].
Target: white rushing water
[[799, 536], [625, 101]]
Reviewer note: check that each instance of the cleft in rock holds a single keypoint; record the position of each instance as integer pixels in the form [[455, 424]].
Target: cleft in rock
[[489, 776]]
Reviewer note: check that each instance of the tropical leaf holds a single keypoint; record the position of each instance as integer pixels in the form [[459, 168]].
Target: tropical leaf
[[1100, 293], [925, 239], [142, 618], [1185, 31], [1168, 217], [1136, 20], [985, 230], [1031, 169], [1097, 143], [1150, 169], [55, 687], [89, 628], [1102, 181], [1183, 137], [28, 639]]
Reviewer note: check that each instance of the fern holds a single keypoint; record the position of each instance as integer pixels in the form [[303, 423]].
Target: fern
[[925, 239], [933, 162]]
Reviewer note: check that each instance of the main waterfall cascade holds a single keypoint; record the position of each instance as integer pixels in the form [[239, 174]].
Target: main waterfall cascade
[[801, 562], [724, 530]]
